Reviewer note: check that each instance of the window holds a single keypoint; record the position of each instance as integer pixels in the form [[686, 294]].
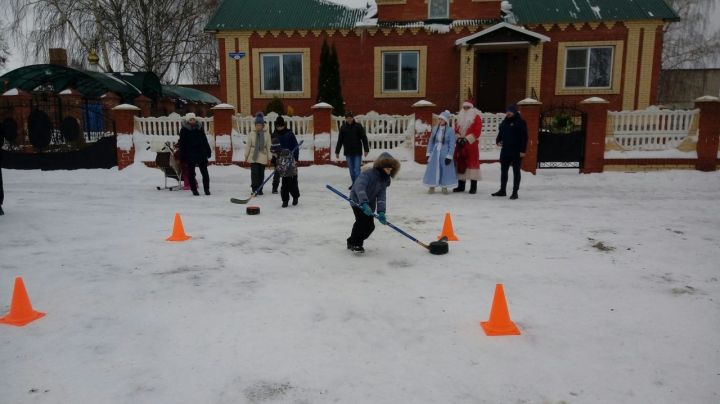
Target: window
[[438, 9], [588, 67], [282, 72], [400, 71]]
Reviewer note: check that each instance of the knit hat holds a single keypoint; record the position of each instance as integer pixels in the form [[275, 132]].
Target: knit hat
[[189, 116], [349, 114], [445, 116], [280, 121], [512, 108], [260, 118]]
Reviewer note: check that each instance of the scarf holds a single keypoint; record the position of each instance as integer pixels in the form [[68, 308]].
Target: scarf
[[259, 144]]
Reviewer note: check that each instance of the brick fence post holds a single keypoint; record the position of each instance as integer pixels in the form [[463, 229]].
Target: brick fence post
[[144, 104], [20, 102], [708, 132], [222, 130], [322, 128], [530, 111], [71, 99], [597, 114], [423, 126], [124, 117]]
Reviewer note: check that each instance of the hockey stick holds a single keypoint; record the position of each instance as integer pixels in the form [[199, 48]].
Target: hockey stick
[[436, 247], [244, 201]]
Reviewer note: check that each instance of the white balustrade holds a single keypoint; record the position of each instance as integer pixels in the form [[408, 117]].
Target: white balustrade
[[652, 128], [300, 125], [490, 127]]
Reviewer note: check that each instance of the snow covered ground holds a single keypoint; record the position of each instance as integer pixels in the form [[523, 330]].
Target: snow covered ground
[[612, 278]]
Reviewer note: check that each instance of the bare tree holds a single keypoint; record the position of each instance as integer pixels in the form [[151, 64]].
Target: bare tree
[[691, 42], [4, 52], [162, 36]]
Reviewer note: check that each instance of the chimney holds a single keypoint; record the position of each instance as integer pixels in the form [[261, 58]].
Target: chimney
[[58, 56]]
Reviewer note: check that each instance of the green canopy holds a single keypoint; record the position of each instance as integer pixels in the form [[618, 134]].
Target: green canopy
[[57, 78], [189, 94]]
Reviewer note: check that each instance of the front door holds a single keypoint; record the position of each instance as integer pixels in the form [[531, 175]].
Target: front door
[[490, 94]]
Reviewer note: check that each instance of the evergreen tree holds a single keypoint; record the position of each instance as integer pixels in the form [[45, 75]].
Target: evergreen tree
[[334, 85], [322, 93]]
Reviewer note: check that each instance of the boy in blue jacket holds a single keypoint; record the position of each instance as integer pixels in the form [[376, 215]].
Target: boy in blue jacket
[[369, 192]]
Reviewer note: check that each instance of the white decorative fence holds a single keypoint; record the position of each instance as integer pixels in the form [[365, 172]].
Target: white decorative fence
[[652, 129], [152, 133], [168, 125], [384, 132]]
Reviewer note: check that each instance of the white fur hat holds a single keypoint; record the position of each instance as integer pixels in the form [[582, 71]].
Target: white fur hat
[[189, 116]]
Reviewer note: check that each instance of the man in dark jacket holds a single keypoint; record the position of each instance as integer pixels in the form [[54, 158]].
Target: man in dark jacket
[[369, 192], [513, 137], [195, 151], [353, 138]]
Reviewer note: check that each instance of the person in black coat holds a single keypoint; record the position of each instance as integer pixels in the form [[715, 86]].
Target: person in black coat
[[353, 138], [513, 137], [285, 147], [195, 151]]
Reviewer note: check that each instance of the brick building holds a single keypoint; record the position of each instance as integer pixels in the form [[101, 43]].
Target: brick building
[[396, 52]]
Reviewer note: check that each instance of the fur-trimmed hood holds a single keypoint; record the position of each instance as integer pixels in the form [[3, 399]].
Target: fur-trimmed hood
[[387, 160]]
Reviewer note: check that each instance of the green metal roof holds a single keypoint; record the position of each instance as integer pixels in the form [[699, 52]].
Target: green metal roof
[[320, 14], [189, 94], [549, 11], [90, 84], [282, 14]]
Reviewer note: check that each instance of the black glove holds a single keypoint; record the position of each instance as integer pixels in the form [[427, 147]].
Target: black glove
[[447, 161], [461, 141]]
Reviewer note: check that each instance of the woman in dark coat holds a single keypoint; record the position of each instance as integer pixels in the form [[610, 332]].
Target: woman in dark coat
[[195, 151]]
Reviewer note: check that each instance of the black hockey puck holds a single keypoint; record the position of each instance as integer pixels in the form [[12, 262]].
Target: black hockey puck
[[439, 247], [252, 210]]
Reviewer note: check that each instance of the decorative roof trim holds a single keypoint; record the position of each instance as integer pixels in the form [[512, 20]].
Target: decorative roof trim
[[463, 41]]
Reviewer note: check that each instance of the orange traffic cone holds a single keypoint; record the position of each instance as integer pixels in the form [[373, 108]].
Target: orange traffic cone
[[499, 323], [447, 230], [21, 311], [178, 233]]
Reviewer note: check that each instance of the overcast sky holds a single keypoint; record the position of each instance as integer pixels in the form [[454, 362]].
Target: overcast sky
[[16, 58]]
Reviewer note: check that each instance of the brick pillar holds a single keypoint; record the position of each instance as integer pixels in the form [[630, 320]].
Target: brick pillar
[[72, 102], [597, 112], [322, 127], [144, 104], [423, 125], [20, 103], [124, 117], [222, 128], [530, 111], [708, 132], [167, 106]]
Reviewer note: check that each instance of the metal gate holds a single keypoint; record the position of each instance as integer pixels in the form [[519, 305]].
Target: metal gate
[[63, 135], [561, 140]]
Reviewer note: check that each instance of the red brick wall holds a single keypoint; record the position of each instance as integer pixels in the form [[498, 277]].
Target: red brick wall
[[417, 10], [356, 55], [550, 54]]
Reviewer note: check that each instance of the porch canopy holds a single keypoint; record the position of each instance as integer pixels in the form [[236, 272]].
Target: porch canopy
[[502, 35]]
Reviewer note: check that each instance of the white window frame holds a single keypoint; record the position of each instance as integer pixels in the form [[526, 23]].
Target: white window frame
[[447, 10], [417, 69], [282, 84], [587, 67]]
